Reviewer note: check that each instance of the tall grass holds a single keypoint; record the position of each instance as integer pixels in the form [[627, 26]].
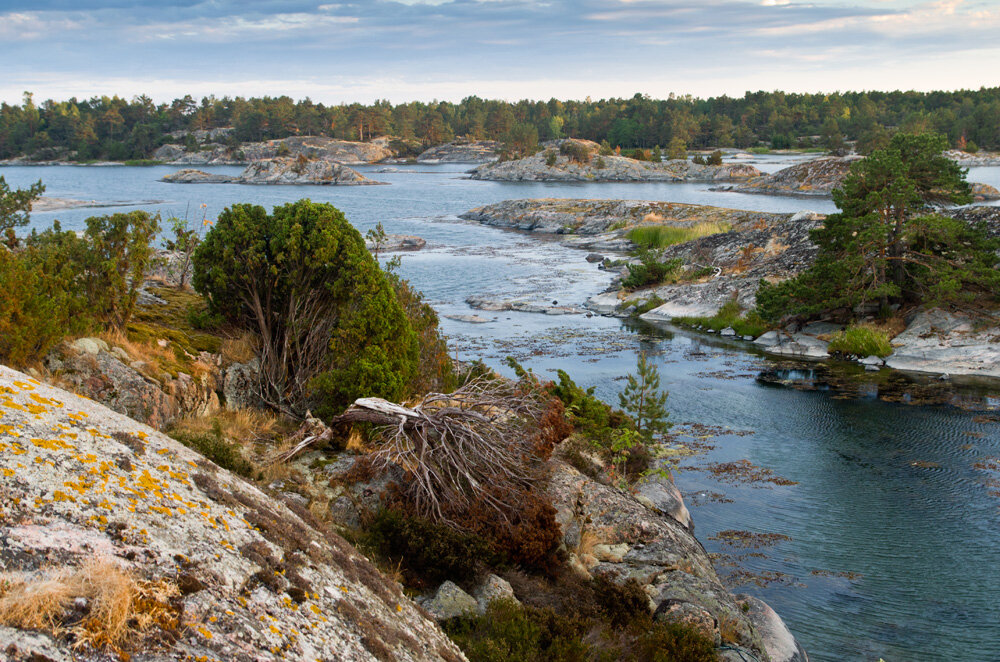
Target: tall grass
[[661, 236], [729, 316], [862, 340]]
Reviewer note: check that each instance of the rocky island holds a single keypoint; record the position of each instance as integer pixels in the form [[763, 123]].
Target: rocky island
[[818, 177], [280, 170], [315, 147], [569, 160], [462, 151]]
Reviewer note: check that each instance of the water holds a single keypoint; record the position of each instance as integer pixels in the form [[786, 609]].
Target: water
[[888, 492]]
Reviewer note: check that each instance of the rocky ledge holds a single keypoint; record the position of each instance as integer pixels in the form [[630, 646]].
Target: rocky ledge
[[282, 170], [977, 160], [395, 243], [45, 203], [580, 161], [96, 507], [473, 151], [819, 177]]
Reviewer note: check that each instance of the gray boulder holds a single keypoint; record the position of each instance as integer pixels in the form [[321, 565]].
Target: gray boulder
[[492, 589], [450, 601]]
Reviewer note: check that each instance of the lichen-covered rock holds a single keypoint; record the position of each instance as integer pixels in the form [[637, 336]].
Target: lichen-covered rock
[[779, 642], [938, 341], [660, 495], [241, 385], [256, 580], [610, 168], [95, 370]]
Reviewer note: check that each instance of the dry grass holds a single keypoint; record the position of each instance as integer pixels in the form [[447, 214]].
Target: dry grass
[[239, 349], [242, 426], [588, 540], [156, 358], [118, 607]]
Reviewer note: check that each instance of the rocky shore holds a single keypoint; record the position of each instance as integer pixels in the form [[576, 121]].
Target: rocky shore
[[281, 170], [46, 203], [571, 160], [314, 147], [819, 177]]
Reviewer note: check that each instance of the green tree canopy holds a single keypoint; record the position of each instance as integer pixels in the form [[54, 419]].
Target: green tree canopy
[[330, 325], [15, 206], [885, 245]]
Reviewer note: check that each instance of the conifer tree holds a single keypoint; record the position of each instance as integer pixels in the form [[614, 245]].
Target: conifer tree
[[643, 399]]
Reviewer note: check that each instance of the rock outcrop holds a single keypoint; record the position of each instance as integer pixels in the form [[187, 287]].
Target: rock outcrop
[[586, 165], [819, 177], [608, 531], [395, 243], [459, 151], [45, 203], [212, 567], [977, 160], [943, 342]]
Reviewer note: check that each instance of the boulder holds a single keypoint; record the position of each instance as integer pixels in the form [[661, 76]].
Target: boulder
[[659, 494], [779, 642], [450, 601], [245, 577], [493, 588], [240, 385], [938, 341]]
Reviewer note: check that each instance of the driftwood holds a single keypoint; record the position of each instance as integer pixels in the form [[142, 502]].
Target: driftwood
[[453, 445]]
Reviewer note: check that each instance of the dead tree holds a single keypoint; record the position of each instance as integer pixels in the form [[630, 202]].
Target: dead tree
[[456, 446]]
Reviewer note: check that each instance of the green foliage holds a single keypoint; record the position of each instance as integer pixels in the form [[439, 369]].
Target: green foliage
[[879, 248], [40, 302], [677, 149], [699, 160], [184, 241], [114, 263], [331, 327], [650, 270], [510, 632], [575, 150], [641, 308], [644, 401], [15, 206], [588, 414], [730, 315], [428, 553], [215, 447], [656, 156], [861, 340], [550, 157], [434, 371], [714, 159]]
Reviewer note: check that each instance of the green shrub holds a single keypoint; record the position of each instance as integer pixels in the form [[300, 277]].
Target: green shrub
[[650, 270], [510, 632], [644, 307], [331, 326], [714, 159], [861, 340], [39, 305], [426, 552], [576, 151], [216, 448], [550, 158]]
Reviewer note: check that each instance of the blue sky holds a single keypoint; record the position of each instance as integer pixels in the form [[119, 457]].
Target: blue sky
[[354, 50]]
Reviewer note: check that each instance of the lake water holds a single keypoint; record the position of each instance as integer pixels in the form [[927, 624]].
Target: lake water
[[892, 530]]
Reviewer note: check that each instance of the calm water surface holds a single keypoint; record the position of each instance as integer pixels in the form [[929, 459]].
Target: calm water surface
[[893, 538]]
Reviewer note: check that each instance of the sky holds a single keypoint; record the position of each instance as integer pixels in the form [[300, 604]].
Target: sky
[[336, 51]]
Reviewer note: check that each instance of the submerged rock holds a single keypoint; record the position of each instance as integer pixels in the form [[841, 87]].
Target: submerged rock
[[246, 578]]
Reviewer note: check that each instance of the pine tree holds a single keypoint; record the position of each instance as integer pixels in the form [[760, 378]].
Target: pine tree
[[643, 399]]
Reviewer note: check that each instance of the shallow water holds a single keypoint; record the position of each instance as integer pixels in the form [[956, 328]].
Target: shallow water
[[887, 491]]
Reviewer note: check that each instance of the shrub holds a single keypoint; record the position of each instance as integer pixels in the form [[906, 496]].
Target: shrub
[[650, 270], [677, 149], [861, 340], [14, 207], [330, 324], [428, 553], [550, 158], [714, 159], [434, 371], [38, 304], [114, 263], [215, 447], [575, 150]]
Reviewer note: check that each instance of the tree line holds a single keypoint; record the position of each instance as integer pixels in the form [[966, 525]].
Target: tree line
[[121, 129]]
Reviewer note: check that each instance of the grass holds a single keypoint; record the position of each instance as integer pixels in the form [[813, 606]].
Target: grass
[[643, 307], [228, 437], [143, 162], [661, 236], [862, 340], [120, 607], [731, 315]]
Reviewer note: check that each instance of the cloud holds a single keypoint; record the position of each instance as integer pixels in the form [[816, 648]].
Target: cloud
[[341, 50]]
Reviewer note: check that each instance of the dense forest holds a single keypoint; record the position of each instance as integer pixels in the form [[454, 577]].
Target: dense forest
[[119, 129]]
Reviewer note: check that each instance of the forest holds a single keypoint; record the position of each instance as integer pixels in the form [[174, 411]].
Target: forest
[[113, 128]]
